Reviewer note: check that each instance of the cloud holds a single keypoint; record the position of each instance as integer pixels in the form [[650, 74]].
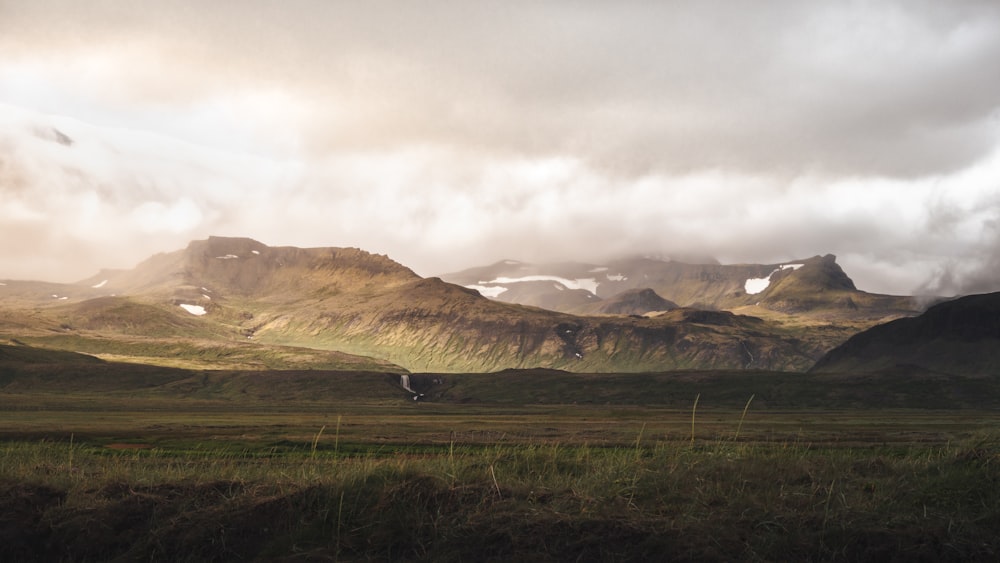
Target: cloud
[[889, 89], [453, 133], [970, 248], [111, 197], [125, 195]]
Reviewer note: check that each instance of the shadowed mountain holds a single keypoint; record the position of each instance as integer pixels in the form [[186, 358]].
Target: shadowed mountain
[[958, 337], [225, 294], [25, 369], [21, 354], [816, 286]]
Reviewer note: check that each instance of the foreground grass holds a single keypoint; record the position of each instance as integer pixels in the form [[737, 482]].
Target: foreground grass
[[317, 466], [722, 500]]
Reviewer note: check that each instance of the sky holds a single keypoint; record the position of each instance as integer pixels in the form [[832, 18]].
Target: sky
[[454, 134]]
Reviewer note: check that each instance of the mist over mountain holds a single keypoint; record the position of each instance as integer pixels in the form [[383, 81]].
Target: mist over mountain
[[77, 196], [815, 286]]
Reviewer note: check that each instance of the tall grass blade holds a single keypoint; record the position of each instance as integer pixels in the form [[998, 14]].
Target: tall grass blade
[[638, 441], [694, 409], [315, 441], [336, 438], [744, 415], [495, 484]]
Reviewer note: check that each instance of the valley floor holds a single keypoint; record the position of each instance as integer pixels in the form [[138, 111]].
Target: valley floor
[[92, 478]]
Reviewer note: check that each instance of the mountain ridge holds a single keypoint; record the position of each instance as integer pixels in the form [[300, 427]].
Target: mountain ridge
[[816, 286], [350, 301]]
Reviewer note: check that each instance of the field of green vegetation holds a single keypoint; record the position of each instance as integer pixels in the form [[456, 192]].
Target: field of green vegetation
[[347, 467]]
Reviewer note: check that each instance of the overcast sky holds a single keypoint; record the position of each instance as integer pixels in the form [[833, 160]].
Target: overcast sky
[[454, 134]]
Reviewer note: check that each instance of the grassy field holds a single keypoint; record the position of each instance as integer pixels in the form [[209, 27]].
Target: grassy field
[[348, 467]]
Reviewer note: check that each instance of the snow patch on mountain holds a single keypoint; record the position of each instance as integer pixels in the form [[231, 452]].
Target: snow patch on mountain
[[99, 285], [598, 269], [488, 291], [616, 277], [227, 257], [589, 284], [194, 309], [754, 286]]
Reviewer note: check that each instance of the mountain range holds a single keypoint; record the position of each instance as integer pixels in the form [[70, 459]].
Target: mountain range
[[816, 287], [238, 303]]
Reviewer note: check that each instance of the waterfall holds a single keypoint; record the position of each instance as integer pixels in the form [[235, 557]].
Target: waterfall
[[404, 380]]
